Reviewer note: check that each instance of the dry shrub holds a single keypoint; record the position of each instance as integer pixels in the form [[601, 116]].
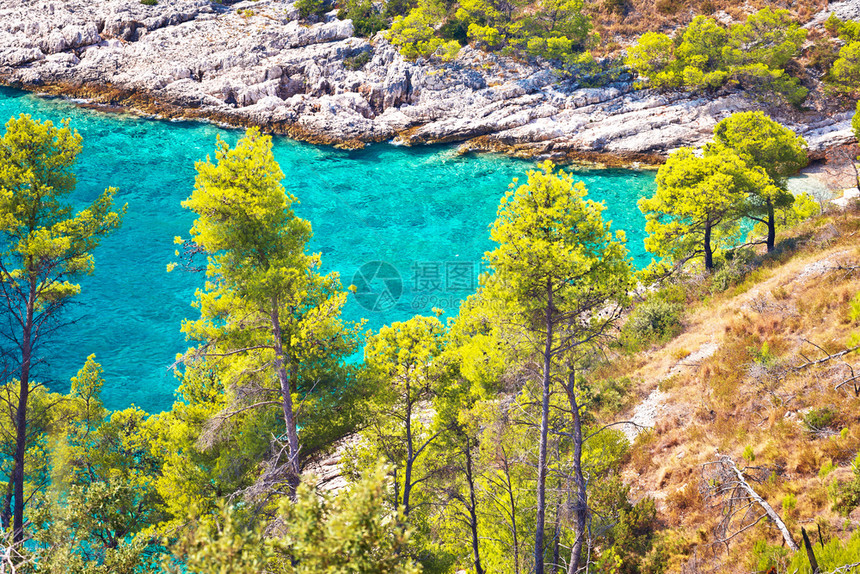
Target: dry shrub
[[641, 455], [773, 453], [807, 459], [685, 498], [668, 441], [766, 326], [843, 447], [669, 7], [780, 293], [680, 353]]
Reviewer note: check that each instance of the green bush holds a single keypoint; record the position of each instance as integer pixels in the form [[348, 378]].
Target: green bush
[[707, 55], [356, 62], [611, 394], [727, 276], [845, 495], [818, 419], [366, 19], [415, 34], [829, 557], [149, 2], [767, 558], [395, 8], [844, 76], [308, 8], [732, 269], [654, 319]]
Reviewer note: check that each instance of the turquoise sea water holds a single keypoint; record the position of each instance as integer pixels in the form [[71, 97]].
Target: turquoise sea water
[[423, 212]]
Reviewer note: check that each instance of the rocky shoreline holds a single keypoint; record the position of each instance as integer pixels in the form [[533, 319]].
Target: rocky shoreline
[[252, 63]]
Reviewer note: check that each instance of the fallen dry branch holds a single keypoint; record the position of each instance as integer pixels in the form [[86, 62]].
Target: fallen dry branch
[[728, 487], [829, 357]]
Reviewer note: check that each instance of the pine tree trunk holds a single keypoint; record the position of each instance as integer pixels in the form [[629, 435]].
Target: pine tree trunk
[[21, 418], [556, 540], [407, 479], [513, 514], [286, 401], [709, 254], [544, 430], [581, 507], [473, 506], [771, 227]]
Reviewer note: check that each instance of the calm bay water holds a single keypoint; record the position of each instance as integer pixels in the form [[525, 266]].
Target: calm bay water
[[424, 212]]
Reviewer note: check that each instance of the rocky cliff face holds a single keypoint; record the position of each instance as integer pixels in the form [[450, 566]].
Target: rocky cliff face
[[252, 63]]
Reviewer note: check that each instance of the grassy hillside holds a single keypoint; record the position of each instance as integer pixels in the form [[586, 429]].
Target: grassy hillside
[[749, 376]]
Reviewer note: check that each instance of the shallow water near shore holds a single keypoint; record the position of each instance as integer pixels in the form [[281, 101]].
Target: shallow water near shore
[[423, 212]]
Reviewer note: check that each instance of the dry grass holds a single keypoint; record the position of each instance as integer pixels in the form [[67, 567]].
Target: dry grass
[[796, 304]]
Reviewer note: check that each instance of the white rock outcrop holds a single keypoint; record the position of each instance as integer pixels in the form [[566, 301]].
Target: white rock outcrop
[[253, 63]]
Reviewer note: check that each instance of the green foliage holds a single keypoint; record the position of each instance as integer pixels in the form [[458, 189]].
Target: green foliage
[[700, 53], [574, 241], [557, 31], [854, 308], [401, 363], [855, 122], [563, 277], [631, 538], [833, 24], [40, 235], [269, 325], [819, 418], [766, 556], [763, 143], [731, 269], [415, 34], [844, 76], [831, 556], [654, 319], [848, 31], [766, 145], [698, 203], [356, 62], [789, 503], [768, 37], [94, 514], [44, 249], [394, 8], [651, 57], [311, 8], [610, 395], [845, 495], [222, 543], [749, 454], [706, 55], [149, 2], [701, 198], [366, 19], [485, 36], [350, 532]]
